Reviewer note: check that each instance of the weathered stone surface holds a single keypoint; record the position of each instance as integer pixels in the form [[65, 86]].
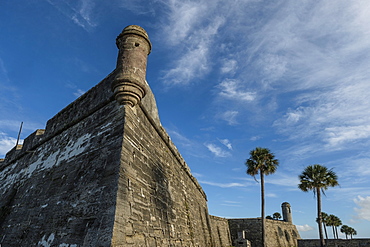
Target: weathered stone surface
[[287, 212], [129, 85], [158, 199], [278, 233], [335, 242], [220, 231], [104, 174], [64, 191]]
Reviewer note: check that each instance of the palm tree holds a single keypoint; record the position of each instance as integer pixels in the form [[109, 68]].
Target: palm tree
[[317, 178], [330, 221], [324, 217], [337, 222], [276, 216], [352, 232], [345, 229], [263, 162]]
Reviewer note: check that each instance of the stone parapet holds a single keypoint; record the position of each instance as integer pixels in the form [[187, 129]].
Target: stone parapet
[[84, 106], [335, 242]]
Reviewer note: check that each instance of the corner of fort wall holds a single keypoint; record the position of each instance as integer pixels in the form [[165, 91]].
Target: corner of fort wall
[[103, 174]]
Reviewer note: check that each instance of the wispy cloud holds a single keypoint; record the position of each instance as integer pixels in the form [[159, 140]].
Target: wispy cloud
[[181, 139], [232, 89], [363, 209], [229, 66], [6, 143], [316, 51], [192, 32], [255, 138], [229, 117], [283, 179], [11, 125], [227, 143], [271, 195], [223, 185], [78, 93], [217, 151], [197, 175], [304, 228], [232, 204], [80, 12]]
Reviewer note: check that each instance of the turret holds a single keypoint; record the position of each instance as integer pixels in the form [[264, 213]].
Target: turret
[[287, 212], [129, 85]]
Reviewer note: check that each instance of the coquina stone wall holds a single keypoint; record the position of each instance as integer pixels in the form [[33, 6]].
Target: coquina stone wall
[[159, 202], [278, 233], [220, 231], [105, 173], [60, 187], [335, 242]]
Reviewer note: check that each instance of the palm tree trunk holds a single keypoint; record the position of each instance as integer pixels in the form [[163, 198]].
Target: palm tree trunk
[[333, 232], [336, 231], [326, 232], [263, 209], [319, 222]]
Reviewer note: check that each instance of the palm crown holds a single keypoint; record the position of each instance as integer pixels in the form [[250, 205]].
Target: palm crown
[[317, 176], [261, 160]]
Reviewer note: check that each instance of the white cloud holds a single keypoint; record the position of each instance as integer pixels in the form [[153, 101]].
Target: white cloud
[[363, 209], [272, 66], [230, 117], [78, 93], [191, 31], [304, 228], [316, 51], [184, 141], [191, 64], [80, 12], [197, 175], [223, 185], [183, 19], [227, 143], [255, 138], [282, 179], [229, 66], [6, 143], [217, 151], [232, 204], [272, 195], [232, 89]]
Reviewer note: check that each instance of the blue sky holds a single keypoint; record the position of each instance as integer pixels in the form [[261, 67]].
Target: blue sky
[[228, 76]]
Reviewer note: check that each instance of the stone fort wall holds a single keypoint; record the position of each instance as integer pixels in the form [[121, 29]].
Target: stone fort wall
[[60, 187], [104, 172], [220, 231], [278, 233], [335, 242]]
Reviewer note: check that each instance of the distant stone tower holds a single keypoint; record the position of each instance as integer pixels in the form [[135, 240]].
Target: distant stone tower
[[287, 212], [129, 85]]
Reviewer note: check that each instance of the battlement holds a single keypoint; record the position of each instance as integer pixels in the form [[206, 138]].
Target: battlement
[[81, 108]]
